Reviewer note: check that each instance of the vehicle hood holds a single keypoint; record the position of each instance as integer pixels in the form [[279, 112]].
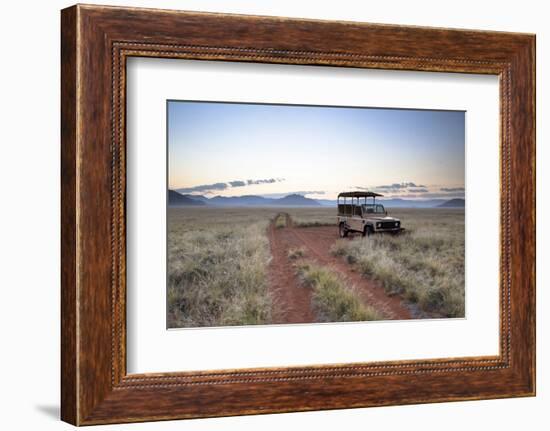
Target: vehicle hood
[[385, 218]]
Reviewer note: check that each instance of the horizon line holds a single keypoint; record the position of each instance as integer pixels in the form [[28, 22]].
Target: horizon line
[[285, 195]]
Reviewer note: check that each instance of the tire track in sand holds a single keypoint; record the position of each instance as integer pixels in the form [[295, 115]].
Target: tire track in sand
[[291, 301]]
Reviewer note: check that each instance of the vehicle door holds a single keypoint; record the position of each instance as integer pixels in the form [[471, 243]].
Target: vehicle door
[[356, 220]]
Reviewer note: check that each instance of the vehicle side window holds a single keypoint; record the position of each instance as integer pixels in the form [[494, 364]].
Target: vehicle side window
[[357, 210]]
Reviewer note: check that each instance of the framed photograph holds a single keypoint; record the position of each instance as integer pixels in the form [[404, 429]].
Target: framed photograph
[[265, 215]]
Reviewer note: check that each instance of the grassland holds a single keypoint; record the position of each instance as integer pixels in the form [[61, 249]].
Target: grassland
[[425, 264], [217, 263], [312, 217], [218, 260]]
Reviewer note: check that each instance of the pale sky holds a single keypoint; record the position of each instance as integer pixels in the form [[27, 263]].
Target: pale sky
[[234, 149]]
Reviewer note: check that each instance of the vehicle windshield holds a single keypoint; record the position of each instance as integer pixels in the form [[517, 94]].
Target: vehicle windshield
[[373, 209]]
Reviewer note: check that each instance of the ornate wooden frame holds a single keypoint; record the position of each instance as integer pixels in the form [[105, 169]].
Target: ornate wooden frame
[[95, 42]]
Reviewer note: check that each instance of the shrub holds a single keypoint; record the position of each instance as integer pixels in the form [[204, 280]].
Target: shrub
[[280, 221]]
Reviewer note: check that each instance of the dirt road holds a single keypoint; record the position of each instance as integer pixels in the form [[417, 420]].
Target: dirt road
[[292, 302]]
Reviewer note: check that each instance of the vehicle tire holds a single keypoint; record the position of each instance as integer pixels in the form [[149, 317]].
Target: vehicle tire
[[342, 231], [367, 231]]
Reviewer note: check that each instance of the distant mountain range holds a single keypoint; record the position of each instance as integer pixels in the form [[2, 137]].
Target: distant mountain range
[[453, 203], [428, 203], [296, 200], [177, 199]]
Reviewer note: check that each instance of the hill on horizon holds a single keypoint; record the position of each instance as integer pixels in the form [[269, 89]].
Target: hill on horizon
[[177, 199], [295, 200], [453, 203], [199, 198]]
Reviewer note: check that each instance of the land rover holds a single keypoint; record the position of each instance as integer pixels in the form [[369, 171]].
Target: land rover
[[358, 213]]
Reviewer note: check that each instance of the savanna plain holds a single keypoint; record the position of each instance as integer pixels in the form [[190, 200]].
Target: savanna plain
[[253, 266]]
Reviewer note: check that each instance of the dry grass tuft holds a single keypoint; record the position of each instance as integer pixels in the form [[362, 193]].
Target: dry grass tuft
[[332, 301], [280, 221], [296, 253]]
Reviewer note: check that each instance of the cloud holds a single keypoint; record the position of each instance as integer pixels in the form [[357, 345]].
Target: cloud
[[395, 187], [412, 191], [428, 195], [265, 181], [452, 189], [216, 187], [313, 192], [205, 188]]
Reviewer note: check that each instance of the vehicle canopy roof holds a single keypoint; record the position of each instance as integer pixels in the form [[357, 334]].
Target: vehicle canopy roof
[[359, 195]]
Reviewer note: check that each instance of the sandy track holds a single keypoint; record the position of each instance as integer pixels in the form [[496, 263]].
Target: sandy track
[[292, 302]]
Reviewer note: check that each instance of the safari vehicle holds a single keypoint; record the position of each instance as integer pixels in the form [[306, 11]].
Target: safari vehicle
[[357, 214]]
